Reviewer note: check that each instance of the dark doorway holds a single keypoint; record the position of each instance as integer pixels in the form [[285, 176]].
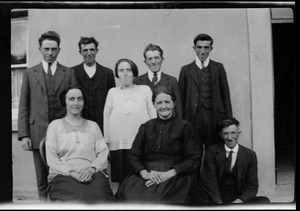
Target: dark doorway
[[284, 52]]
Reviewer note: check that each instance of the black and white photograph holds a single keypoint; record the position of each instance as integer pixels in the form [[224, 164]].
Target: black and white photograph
[[141, 105]]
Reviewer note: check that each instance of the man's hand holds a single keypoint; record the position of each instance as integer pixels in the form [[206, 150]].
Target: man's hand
[[26, 144]]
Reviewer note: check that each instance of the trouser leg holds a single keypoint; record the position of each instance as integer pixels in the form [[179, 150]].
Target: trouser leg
[[41, 175]]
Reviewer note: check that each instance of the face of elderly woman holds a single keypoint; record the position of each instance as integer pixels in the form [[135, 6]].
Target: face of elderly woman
[[164, 105], [74, 101]]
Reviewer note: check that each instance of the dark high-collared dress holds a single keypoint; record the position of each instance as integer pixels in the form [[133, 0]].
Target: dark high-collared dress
[[162, 145]]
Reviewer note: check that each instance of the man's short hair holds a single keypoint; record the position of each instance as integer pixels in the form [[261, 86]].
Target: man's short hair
[[49, 35], [227, 122]]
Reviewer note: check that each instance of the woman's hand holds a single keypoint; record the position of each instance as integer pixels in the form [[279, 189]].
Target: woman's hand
[[156, 177], [85, 175], [152, 175]]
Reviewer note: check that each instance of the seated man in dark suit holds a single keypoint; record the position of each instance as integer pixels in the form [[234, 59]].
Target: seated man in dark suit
[[229, 173]]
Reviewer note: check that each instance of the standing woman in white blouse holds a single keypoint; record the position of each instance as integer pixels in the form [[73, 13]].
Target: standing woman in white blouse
[[77, 154], [126, 108]]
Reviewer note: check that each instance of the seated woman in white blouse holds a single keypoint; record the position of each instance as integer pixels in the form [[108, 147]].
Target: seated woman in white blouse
[[77, 154]]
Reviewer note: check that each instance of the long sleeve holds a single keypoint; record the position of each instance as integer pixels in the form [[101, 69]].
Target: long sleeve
[[106, 116], [192, 152], [178, 106], [52, 154], [182, 87], [136, 157], [224, 87], [150, 107], [209, 182], [23, 116], [250, 181], [101, 151]]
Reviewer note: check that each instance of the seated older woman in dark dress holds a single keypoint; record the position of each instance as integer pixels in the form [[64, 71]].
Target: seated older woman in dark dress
[[165, 156]]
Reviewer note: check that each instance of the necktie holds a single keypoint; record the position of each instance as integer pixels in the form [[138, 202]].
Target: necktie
[[49, 70], [228, 162], [154, 79], [202, 65]]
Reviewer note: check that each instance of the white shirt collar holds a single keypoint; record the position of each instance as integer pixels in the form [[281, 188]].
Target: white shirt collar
[[90, 70], [198, 62], [151, 74], [235, 149], [52, 67]]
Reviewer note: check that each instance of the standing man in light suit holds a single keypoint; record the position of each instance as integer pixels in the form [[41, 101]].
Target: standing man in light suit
[[40, 104], [94, 79]]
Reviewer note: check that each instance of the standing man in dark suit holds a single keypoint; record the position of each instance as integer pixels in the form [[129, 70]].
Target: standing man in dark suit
[[154, 78], [40, 104], [229, 173], [205, 92], [94, 79]]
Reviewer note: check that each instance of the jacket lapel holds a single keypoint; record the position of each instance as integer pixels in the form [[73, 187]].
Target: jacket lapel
[[61, 74], [81, 75], [164, 80], [241, 161], [145, 80], [39, 75], [98, 75], [213, 69], [193, 72], [220, 157]]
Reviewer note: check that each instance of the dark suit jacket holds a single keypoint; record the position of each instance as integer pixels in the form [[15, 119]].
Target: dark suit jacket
[[33, 107], [213, 168], [188, 84], [169, 82], [104, 80]]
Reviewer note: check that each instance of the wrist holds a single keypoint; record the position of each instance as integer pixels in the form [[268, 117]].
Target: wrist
[[93, 169]]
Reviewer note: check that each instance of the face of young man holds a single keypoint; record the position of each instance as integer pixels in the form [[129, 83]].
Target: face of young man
[[230, 135], [88, 52], [153, 60], [49, 50], [203, 49]]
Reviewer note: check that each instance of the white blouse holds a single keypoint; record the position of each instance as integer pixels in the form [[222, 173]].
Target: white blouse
[[124, 112], [71, 148]]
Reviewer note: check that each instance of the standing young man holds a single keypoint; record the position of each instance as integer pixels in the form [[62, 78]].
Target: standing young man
[[40, 104]]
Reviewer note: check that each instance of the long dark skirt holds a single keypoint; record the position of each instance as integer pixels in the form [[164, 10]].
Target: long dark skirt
[[68, 189], [120, 166], [179, 189]]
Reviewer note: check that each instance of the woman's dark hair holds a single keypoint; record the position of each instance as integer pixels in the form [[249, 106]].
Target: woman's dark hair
[[132, 65], [162, 89], [62, 96], [227, 122]]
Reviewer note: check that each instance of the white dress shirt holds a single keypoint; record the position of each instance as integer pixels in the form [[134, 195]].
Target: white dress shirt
[[90, 70], [199, 63], [151, 74], [52, 67], [234, 154]]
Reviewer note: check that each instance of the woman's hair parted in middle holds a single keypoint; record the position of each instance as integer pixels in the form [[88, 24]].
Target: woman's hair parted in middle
[[165, 90], [62, 96]]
